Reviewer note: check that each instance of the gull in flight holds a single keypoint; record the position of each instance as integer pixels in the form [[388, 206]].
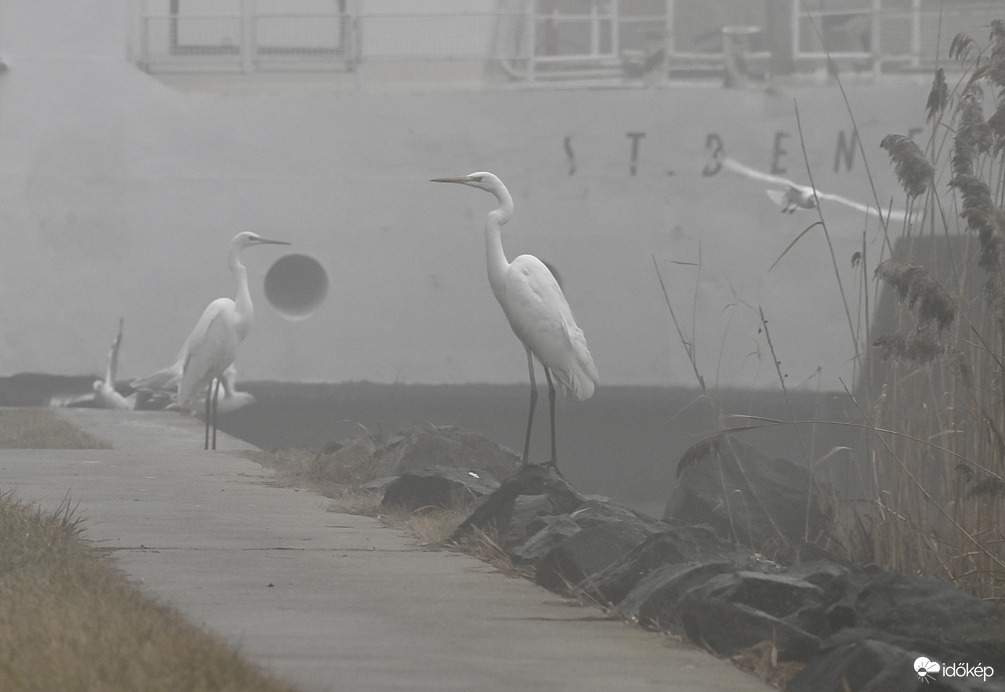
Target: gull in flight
[[795, 196]]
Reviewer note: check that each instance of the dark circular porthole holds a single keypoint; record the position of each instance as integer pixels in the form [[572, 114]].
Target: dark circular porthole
[[296, 286]]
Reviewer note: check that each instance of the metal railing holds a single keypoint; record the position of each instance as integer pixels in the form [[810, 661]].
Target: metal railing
[[531, 40], [885, 34], [523, 42], [603, 40], [244, 42]]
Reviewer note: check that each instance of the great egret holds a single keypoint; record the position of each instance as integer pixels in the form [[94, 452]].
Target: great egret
[[536, 309], [212, 346], [105, 395]]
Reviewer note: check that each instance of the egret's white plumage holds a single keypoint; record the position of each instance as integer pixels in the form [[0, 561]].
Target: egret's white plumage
[[212, 346], [536, 309], [160, 388], [233, 398], [105, 395]]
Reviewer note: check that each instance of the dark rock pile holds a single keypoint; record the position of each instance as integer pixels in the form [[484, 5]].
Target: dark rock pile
[[694, 573], [438, 467]]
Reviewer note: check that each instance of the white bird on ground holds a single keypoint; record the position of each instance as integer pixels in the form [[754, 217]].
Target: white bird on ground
[[160, 389], [796, 196], [536, 309], [105, 395], [212, 346]]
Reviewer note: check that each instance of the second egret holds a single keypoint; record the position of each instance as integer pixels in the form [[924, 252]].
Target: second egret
[[212, 346], [536, 309]]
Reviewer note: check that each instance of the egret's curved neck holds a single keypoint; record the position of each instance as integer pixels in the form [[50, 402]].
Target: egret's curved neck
[[243, 299], [495, 256]]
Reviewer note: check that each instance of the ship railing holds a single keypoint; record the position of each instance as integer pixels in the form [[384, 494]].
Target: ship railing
[[884, 35], [523, 41]]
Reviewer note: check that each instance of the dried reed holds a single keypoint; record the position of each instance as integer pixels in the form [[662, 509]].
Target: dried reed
[[927, 473]]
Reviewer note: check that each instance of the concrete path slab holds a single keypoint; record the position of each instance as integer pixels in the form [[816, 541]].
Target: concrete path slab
[[331, 601]]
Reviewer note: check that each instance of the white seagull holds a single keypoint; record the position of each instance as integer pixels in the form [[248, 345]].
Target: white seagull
[[105, 395], [795, 196]]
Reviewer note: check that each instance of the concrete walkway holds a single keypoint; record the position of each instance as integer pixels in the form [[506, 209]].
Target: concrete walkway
[[331, 601]]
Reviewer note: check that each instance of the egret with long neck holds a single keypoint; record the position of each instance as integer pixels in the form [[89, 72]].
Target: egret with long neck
[[212, 346], [536, 309]]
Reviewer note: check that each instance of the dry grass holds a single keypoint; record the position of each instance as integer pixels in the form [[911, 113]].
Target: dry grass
[[762, 660], [936, 412], [336, 474], [69, 621], [40, 428], [431, 526], [340, 474]]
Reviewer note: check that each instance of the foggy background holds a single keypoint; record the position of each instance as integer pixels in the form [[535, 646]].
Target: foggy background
[[136, 138]]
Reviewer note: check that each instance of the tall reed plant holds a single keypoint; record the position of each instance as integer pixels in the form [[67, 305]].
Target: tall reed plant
[[933, 399], [923, 488]]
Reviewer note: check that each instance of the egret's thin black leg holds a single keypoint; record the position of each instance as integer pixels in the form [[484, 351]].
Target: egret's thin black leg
[[216, 402], [551, 408], [533, 403], [205, 444]]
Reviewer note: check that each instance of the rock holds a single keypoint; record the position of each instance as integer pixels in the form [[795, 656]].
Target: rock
[[530, 514], [674, 545], [871, 661], [608, 532], [414, 449], [585, 552], [496, 510], [595, 511], [372, 462], [779, 595], [931, 609], [746, 497], [732, 612], [729, 628], [653, 601], [553, 530], [862, 666], [436, 486]]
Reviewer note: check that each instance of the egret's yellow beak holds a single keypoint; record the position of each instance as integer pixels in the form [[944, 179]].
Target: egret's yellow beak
[[459, 179], [270, 241]]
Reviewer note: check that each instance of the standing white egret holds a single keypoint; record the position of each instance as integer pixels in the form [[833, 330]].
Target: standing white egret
[[536, 309], [212, 346]]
